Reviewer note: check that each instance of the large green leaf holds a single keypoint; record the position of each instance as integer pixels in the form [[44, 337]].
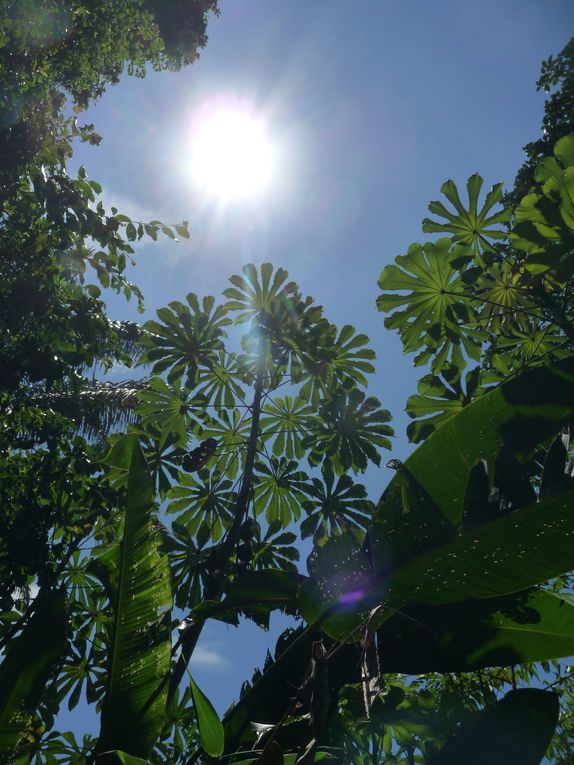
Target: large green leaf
[[139, 658], [26, 668], [115, 757], [211, 735], [533, 625], [516, 551], [521, 414], [516, 729], [268, 590], [336, 593]]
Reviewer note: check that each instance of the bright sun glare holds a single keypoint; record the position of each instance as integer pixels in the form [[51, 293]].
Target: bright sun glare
[[232, 154]]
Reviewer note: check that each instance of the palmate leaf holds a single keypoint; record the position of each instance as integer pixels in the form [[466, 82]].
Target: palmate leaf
[[187, 339], [333, 508], [25, 670], [221, 384], [206, 502], [430, 305], [337, 360], [556, 175], [544, 220], [525, 345], [500, 290], [172, 410], [275, 550], [290, 327], [189, 564], [521, 413], [472, 226], [253, 295], [82, 669], [279, 490], [348, 432], [284, 423], [163, 455], [139, 653], [439, 398], [231, 431]]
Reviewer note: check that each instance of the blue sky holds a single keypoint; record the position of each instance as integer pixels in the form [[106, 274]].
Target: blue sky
[[374, 104]]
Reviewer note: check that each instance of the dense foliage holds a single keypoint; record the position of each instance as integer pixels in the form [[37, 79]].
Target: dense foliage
[[133, 514]]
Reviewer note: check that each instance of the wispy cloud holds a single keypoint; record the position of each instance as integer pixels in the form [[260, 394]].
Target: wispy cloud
[[127, 206], [207, 657]]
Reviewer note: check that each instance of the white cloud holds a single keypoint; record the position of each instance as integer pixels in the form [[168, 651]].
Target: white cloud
[[207, 657], [127, 206]]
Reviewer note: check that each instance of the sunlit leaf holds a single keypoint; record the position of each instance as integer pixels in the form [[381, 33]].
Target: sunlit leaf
[[430, 305], [172, 410], [211, 735], [471, 226], [279, 489], [284, 423], [544, 219], [140, 649]]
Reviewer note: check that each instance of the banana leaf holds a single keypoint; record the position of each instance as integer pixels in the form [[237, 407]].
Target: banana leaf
[[26, 668], [134, 705], [533, 625], [516, 729], [522, 413]]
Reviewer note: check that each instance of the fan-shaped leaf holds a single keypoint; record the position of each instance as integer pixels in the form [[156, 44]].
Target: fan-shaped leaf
[[430, 305], [470, 226]]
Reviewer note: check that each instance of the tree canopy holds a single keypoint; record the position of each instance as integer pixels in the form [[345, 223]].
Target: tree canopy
[[430, 622]]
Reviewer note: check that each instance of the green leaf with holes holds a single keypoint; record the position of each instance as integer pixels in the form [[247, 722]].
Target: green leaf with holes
[[133, 709]]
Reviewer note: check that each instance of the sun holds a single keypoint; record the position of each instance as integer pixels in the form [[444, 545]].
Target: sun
[[232, 155]]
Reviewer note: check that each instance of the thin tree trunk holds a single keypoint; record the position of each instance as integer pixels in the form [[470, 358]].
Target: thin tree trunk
[[192, 634]]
